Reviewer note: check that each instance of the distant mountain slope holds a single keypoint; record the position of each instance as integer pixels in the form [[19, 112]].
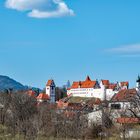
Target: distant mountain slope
[[6, 83]]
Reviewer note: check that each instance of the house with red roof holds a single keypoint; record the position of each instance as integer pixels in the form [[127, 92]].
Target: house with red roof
[[49, 95], [103, 90], [89, 107], [123, 99], [42, 97], [124, 107]]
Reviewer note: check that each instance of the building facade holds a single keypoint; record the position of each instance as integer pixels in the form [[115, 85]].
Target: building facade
[[103, 90]]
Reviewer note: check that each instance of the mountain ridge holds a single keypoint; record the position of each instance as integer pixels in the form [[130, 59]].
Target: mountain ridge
[[8, 83]]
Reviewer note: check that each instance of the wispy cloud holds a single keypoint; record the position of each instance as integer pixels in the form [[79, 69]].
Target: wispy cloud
[[130, 55], [41, 8], [132, 50]]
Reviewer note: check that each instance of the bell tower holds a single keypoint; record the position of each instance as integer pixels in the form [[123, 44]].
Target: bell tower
[[50, 90]]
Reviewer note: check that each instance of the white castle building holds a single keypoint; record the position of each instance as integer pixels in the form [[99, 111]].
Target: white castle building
[[103, 90], [50, 90]]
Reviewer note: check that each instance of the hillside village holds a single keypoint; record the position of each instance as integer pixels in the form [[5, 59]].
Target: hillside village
[[90, 96], [102, 103]]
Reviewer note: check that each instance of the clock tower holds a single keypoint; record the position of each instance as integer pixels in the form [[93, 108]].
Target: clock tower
[[50, 90]]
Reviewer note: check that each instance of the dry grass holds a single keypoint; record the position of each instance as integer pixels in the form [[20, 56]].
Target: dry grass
[[79, 99], [4, 135]]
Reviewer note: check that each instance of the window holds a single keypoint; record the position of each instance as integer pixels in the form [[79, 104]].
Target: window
[[115, 106]]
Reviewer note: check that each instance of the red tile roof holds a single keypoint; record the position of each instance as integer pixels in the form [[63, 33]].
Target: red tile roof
[[49, 82], [124, 84], [124, 95], [75, 85], [88, 84], [105, 82], [128, 120], [112, 86], [43, 96], [84, 84]]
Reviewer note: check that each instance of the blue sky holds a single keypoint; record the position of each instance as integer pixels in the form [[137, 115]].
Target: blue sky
[[100, 38]]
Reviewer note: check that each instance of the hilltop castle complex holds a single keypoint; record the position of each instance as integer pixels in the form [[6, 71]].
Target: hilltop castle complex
[[103, 89]]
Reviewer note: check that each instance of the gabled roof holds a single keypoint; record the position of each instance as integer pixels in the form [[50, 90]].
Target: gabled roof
[[50, 82], [105, 82], [43, 96], [124, 95], [75, 85], [88, 83], [124, 83]]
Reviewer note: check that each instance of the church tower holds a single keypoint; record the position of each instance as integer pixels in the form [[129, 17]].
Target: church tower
[[50, 90], [138, 83]]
